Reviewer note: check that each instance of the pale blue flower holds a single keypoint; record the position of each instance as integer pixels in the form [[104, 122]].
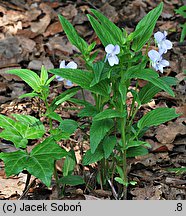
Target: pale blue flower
[[112, 51], [157, 61], [163, 43], [71, 65]]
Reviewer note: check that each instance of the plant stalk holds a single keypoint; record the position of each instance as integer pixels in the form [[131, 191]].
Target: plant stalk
[[123, 138]]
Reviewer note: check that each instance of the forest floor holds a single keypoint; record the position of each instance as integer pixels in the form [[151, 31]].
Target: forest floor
[[31, 36]]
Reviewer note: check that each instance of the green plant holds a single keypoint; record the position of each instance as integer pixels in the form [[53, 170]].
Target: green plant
[[182, 11], [114, 133], [40, 162]]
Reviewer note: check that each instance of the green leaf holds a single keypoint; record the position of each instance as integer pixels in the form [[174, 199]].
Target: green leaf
[[32, 94], [89, 157], [108, 113], [15, 162], [182, 11], [98, 131], [108, 145], [72, 35], [83, 79], [157, 117], [26, 127], [120, 171], [72, 180], [69, 164], [148, 75], [30, 77], [136, 151], [101, 31], [58, 134], [123, 92], [39, 163], [97, 68], [183, 32], [80, 77], [44, 75], [119, 180], [137, 143], [88, 111], [149, 90], [63, 97], [110, 26], [34, 128], [41, 160], [68, 126], [55, 116], [148, 23]]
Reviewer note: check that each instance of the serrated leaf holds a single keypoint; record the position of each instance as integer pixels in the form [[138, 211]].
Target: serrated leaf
[[30, 77], [108, 113], [26, 127], [148, 75], [136, 151], [88, 111], [104, 35], [41, 160], [63, 97], [98, 130], [33, 127], [149, 90], [137, 143], [157, 117], [108, 145], [97, 68], [83, 79], [123, 92], [110, 26], [72, 180], [68, 126], [55, 116], [69, 164], [15, 162], [148, 23], [89, 157], [72, 35]]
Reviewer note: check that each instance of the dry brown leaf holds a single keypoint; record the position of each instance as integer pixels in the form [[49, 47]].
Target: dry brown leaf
[[167, 134], [69, 11], [147, 193], [53, 29], [40, 26], [36, 64]]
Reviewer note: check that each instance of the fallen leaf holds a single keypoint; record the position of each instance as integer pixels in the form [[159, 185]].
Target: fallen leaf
[[36, 64], [40, 26], [167, 134], [53, 29]]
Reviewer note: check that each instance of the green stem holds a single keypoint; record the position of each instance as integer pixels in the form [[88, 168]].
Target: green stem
[[56, 178], [123, 138]]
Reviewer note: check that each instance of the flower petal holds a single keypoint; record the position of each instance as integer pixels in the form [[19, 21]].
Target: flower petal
[[154, 55], [62, 64], [159, 36], [160, 68], [165, 63], [168, 44], [69, 83], [59, 78], [116, 50], [113, 60], [72, 65], [109, 48]]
